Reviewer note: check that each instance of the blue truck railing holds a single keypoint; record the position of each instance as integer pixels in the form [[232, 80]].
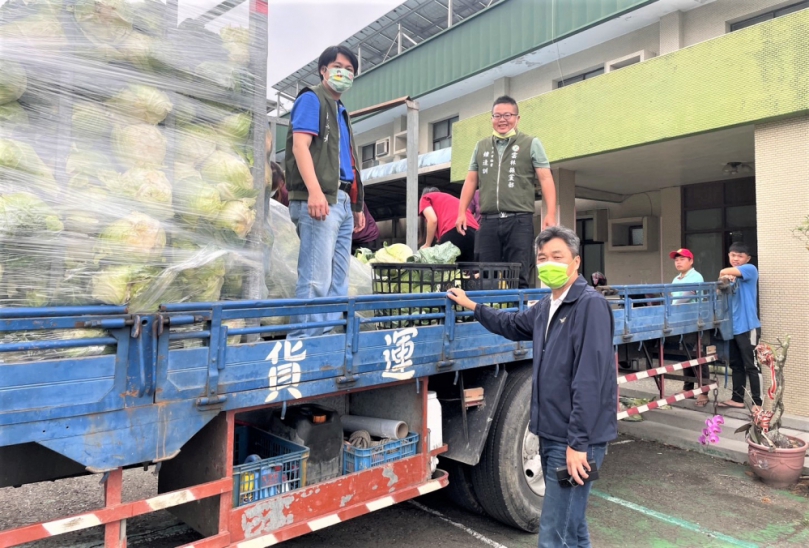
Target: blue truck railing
[[163, 376]]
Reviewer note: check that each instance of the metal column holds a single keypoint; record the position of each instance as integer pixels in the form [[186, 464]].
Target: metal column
[[412, 174]]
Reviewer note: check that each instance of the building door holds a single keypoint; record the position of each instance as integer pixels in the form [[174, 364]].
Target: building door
[[715, 215], [592, 252]]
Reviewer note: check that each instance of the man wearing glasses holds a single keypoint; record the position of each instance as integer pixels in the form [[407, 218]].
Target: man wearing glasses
[[506, 166]]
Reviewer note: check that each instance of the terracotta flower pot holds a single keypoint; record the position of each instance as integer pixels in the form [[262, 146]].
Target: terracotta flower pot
[[780, 468]]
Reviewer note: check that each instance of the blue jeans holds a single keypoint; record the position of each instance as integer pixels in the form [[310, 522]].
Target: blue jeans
[[323, 260], [563, 522]]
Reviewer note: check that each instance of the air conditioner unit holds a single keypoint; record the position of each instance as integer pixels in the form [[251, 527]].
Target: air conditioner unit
[[382, 148]]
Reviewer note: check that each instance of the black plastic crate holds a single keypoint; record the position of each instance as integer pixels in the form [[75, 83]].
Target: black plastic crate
[[488, 277], [413, 278]]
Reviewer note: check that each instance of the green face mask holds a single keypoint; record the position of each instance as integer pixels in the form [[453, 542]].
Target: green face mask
[[554, 275], [340, 80], [508, 135]]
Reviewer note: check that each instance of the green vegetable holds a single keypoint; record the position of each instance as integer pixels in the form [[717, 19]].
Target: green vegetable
[[238, 53], [141, 103], [104, 21], [118, 285], [41, 30], [12, 115], [137, 49], [31, 172], [222, 75], [140, 145], [13, 81], [232, 34], [203, 284], [149, 187], [364, 254], [236, 128], [230, 174], [24, 215], [446, 253], [396, 253], [236, 217], [196, 200], [85, 163], [137, 238], [90, 120], [195, 144]]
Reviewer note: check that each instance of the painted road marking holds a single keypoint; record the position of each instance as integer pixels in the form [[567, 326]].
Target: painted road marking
[[464, 528], [674, 521]]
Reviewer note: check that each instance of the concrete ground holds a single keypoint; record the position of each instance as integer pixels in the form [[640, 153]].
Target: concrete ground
[[649, 495]]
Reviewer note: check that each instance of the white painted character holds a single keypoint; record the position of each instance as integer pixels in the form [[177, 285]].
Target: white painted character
[[398, 359], [287, 375]]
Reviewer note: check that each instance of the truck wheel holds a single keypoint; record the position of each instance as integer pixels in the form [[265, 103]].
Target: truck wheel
[[508, 479], [460, 490]]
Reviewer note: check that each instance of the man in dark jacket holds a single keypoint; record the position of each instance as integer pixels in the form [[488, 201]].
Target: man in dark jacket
[[573, 401]]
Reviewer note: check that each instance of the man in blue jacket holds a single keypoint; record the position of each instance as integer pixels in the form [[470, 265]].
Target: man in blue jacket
[[573, 401]]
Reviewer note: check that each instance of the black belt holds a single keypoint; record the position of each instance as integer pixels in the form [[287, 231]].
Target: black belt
[[504, 215], [345, 186]]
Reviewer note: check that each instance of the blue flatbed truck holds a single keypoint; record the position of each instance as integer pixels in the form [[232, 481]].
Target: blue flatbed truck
[[172, 391]]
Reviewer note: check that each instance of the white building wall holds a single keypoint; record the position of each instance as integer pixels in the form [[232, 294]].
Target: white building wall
[[713, 20]]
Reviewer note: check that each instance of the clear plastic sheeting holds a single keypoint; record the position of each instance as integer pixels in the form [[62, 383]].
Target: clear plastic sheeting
[[126, 152], [282, 274]]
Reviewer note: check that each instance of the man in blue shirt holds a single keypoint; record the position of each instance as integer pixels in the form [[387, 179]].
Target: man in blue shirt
[[687, 274], [325, 190], [746, 325]]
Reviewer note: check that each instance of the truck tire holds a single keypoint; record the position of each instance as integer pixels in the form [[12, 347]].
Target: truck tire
[[499, 479], [460, 489]]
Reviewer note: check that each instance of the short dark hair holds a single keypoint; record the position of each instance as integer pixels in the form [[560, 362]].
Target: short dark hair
[[738, 247], [429, 190], [330, 54], [278, 179], [506, 100], [565, 234]]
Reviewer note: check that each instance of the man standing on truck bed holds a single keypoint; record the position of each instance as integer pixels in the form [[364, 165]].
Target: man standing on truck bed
[[325, 190], [574, 381], [507, 165]]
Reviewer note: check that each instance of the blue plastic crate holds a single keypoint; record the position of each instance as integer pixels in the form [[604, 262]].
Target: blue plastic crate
[[281, 466], [355, 459]]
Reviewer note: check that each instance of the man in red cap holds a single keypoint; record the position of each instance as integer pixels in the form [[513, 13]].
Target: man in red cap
[[687, 274]]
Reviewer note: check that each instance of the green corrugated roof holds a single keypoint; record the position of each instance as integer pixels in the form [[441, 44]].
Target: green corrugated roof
[[506, 31], [494, 36]]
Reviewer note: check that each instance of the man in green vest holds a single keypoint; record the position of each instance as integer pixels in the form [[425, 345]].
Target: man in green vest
[[507, 165], [325, 190]]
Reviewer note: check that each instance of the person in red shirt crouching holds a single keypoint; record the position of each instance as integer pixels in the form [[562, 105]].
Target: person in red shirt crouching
[[440, 211]]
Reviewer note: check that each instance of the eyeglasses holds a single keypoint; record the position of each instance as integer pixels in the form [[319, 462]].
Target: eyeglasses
[[508, 116]]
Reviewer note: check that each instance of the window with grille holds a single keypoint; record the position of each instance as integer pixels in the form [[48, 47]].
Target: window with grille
[[442, 133]]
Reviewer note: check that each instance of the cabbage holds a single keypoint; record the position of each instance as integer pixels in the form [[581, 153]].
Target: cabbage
[[24, 215], [118, 285], [446, 253], [12, 115], [16, 156], [137, 49], [149, 17], [13, 81], [135, 238], [202, 203], [42, 30], [185, 110], [230, 175], [396, 253], [88, 210], [232, 34], [203, 284], [148, 187], [238, 53], [104, 21], [194, 144], [223, 75], [90, 120], [364, 254], [140, 145], [84, 163], [236, 217], [236, 128], [142, 103]]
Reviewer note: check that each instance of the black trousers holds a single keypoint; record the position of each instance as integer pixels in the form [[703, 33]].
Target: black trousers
[[508, 240], [743, 366], [465, 243], [691, 340]]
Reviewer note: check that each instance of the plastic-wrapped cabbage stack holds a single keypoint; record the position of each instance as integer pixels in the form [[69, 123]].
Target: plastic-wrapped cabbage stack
[[126, 173]]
